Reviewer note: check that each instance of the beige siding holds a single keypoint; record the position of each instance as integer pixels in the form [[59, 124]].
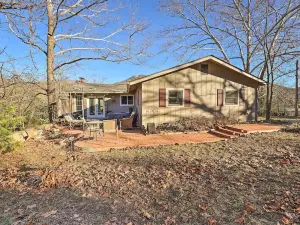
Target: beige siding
[[114, 104], [203, 94]]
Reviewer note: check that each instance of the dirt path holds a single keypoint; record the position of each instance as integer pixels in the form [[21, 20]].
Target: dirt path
[[249, 180]]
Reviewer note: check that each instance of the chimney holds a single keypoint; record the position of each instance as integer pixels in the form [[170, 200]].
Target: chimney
[[81, 80]]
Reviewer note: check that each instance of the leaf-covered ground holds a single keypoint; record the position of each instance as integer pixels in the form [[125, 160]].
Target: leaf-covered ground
[[249, 180]]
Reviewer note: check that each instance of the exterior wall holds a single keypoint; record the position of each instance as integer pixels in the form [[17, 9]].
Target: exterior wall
[[66, 105], [113, 103], [203, 91]]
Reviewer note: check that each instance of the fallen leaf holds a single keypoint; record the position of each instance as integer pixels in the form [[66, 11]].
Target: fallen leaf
[[285, 220], [212, 221], [169, 221], [31, 206], [20, 211], [147, 215], [7, 210], [203, 207], [298, 210], [50, 213], [249, 207], [185, 218], [240, 220], [285, 161]]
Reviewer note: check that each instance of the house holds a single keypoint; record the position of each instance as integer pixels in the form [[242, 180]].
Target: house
[[206, 87]]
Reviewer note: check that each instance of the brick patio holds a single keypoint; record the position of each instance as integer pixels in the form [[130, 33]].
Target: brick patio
[[135, 138], [257, 128]]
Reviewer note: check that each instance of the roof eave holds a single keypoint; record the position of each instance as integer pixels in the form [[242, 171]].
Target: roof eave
[[161, 73]]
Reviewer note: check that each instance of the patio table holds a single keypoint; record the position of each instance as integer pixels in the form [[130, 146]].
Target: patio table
[[94, 126]]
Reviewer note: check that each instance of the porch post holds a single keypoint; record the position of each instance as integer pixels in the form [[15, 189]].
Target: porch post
[[70, 102], [256, 104], [82, 102]]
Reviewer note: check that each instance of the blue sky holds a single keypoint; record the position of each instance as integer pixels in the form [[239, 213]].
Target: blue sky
[[97, 70]]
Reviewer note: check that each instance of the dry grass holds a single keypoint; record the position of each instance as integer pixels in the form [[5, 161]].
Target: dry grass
[[187, 184]]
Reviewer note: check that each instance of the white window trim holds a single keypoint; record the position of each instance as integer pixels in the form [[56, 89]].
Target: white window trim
[[96, 115], [81, 108], [127, 100], [224, 97], [167, 96]]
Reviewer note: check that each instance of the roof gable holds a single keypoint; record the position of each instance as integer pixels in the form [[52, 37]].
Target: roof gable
[[186, 65]]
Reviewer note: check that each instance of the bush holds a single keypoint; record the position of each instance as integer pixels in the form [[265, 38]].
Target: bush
[[8, 123], [197, 123], [293, 128], [34, 122]]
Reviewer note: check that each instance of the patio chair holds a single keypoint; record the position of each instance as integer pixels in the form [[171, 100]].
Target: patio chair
[[110, 126], [126, 123], [72, 122]]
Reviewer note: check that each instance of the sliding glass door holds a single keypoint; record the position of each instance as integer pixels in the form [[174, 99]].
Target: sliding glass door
[[96, 107]]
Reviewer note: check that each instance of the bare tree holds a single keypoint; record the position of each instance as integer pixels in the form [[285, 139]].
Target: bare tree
[[67, 32], [4, 5], [261, 36]]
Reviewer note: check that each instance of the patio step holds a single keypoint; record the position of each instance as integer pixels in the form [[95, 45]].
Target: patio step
[[235, 129], [224, 130], [222, 134], [231, 132]]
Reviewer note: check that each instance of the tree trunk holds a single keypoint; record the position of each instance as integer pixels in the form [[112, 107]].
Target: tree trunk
[[50, 60], [249, 41], [271, 97], [268, 111], [297, 90]]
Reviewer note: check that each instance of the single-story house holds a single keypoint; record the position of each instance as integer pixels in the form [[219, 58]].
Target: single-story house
[[206, 87]]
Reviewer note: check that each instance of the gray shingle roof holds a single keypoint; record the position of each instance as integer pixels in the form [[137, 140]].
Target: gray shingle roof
[[94, 88]]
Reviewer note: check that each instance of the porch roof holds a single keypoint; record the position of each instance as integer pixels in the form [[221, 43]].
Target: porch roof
[[94, 88]]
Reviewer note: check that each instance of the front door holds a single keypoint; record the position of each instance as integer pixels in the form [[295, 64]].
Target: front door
[[95, 108]]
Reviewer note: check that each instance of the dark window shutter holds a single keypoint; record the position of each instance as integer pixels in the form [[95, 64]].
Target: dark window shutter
[[219, 97], [162, 97], [187, 97]]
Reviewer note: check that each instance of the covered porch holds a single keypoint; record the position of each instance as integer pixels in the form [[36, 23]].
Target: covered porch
[[96, 101]]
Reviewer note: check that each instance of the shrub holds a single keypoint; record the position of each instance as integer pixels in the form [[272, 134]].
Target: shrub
[[34, 121], [197, 123], [8, 123], [293, 128]]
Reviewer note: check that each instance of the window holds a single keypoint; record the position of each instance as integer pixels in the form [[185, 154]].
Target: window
[[126, 100], [175, 97], [204, 68], [78, 103], [231, 97]]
